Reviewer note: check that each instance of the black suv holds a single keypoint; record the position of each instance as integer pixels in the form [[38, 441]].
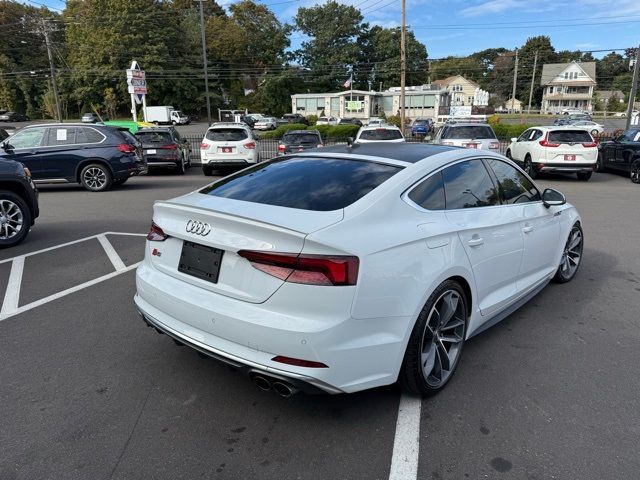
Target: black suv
[[295, 118], [622, 154], [96, 156], [299, 140], [350, 121], [18, 203], [164, 148]]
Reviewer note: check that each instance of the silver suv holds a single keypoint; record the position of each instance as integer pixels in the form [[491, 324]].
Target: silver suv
[[469, 135]]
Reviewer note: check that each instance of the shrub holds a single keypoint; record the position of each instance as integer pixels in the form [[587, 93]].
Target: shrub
[[313, 119], [506, 131], [394, 120], [493, 119], [336, 133]]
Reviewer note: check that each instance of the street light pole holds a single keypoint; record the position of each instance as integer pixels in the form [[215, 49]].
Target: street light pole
[[515, 79], [204, 62], [634, 88], [533, 79], [403, 65]]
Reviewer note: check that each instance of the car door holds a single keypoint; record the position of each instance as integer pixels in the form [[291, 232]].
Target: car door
[[25, 146], [540, 225], [63, 152], [627, 150], [519, 147], [490, 233]]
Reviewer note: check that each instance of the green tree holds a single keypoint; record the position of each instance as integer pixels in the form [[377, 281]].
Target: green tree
[[609, 67], [273, 96], [332, 49]]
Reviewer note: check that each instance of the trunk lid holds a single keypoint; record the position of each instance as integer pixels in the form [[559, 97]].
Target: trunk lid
[[234, 225]]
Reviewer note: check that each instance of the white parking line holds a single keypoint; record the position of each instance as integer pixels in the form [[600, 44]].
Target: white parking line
[[117, 262], [12, 294], [404, 461]]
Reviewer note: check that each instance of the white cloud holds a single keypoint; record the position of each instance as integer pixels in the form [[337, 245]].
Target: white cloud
[[492, 6]]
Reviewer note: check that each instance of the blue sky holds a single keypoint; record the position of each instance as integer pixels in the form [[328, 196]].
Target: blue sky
[[461, 27]]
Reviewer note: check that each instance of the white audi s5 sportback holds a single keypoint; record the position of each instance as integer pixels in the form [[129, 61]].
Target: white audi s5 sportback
[[350, 267]]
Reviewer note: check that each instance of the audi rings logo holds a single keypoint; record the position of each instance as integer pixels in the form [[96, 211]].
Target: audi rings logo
[[198, 228]]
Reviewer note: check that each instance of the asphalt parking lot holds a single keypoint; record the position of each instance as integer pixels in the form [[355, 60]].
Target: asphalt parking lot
[[87, 391]]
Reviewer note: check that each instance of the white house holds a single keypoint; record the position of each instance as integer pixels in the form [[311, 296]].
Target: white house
[[420, 101], [568, 85]]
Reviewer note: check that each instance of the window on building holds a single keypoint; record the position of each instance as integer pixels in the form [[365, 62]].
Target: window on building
[[387, 104]]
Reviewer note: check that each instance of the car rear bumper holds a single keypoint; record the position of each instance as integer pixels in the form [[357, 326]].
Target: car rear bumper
[[360, 354], [565, 167]]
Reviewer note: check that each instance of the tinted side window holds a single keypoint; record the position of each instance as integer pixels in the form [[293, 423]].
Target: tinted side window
[[226, 134], [468, 184], [570, 136], [61, 136], [28, 138], [306, 183], [514, 186], [89, 135], [536, 135], [430, 193]]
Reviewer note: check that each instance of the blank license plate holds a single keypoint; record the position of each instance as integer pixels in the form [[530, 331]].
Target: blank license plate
[[151, 152], [569, 157], [200, 261], [226, 149]]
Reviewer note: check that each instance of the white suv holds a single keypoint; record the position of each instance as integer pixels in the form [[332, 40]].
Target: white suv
[[379, 133], [564, 149], [227, 145], [469, 135]]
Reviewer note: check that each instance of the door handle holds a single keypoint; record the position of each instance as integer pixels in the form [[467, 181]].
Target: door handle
[[527, 229], [475, 241]]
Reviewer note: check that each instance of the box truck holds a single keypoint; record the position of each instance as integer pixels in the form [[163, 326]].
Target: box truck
[[166, 115]]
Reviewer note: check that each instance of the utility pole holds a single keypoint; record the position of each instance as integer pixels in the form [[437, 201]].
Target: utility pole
[[54, 83], [515, 79], [204, 61], [634, 88], [533, 79], [403, 65]]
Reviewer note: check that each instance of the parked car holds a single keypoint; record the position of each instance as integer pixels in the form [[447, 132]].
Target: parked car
[[164, 148], [247, 120], [298, 141], [350, 121], [256, 117], [624, 114], [381, 133], [327, 121], [622, 154], [227, 145], [555, 149], [13, 117], [571, 111], [18, 203], [561, 121], [476, 135], [96, 156], [265, 123], [579, 117], [295, 118], [375, 121], [421, 126], [90, 117], [595, 128], [349, 249]]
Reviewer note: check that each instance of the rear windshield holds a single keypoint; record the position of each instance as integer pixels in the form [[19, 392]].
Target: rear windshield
[[420, 122], [306, 183], [226, 134], [570, 136], [380, 134], [154, 137], [471, 132], [300, 138]]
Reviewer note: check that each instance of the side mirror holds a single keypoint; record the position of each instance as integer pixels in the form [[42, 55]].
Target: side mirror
[[350, 141], [553, 198], [5, 145], [514, 139]]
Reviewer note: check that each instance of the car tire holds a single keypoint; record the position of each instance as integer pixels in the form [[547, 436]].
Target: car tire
[[207, 171], [584, 176], [595, 133], [529, 168], [428, 365], [635, 172], [14, 211], [95, 177], [571, 256], [180, 167], [600, 168]]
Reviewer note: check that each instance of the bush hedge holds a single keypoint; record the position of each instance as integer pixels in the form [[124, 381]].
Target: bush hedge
[[505, 131], [328, 132]]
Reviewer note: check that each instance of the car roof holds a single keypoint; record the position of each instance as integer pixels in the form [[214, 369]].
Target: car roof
[[403, 152], [301, 131], [454, 124], [228, 124], [379, 127], [155, 129], [70, 124]]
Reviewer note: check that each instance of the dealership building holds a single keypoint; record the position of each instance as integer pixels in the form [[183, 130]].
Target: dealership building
[[420, 101]]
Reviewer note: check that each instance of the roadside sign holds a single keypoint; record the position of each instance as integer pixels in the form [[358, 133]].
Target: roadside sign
[[354, 106], [136, 80]]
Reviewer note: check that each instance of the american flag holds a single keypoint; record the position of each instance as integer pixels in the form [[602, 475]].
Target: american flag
[[347, 84]]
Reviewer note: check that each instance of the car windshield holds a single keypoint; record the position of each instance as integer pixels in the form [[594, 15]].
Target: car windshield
[[630, 136], [178, 112], [154, 137], [300, 138], [381, 134], [570, 136], [471, 131], [226, 134], [306, 183]]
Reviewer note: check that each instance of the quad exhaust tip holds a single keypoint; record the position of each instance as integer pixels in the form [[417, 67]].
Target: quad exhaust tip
[[280, 387]]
